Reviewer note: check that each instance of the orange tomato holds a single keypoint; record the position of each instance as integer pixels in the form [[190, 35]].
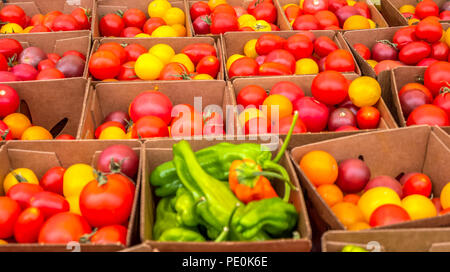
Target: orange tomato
[[36, 133], [279, 101], [351, 198], [356, 22], [330, 193], [359, 226], [17, 123], [348, 213], [320, 167], [445, 196]]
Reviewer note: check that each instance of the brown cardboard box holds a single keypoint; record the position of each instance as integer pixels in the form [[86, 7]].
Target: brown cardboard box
[[376, 15], [110, 6], [406, 240], [40, 156], [159, 151], [390, 10], [234, 42], [400, 77], [107, 97], [176, 43], [56, 105], [33, 7], [57, 42], [445, 137], [391, 152]]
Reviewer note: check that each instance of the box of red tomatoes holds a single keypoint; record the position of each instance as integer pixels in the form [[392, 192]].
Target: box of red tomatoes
[[406, 12]]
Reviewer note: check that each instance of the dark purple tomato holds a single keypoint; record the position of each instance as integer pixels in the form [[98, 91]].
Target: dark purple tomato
[[32, 55], [123, 156], [71, 66], [117, 116], [353, 176], [383, 50], [411, 99], [341, 117]]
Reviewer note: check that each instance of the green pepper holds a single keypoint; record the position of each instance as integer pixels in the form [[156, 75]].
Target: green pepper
[[184, 205], [166, 218], [181, 235]]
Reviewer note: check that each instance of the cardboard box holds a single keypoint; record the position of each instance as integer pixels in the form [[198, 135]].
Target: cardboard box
[[56, 105], [160, 151], [40, 156], [33, 7], [445, 138], [390, 10], [376, 15], [393, 153], [400, 77], [110, 6], [234, 42], [176, 43], [406, 240], [107, 97]]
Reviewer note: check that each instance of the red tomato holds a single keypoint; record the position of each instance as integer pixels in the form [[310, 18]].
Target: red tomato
[[283, 57], [426, 8], [149, 127], [323, 46], [213, 123], [104, 65], [10, 47], [330, 87], [313, 113], [428, 115], [388, 214], [81, 15], [9, 100], [13, 14], [130, 32], [223, 22], [153, 23], [404, 36], [362, 50], [197, 51], [151, 103], [340, 60], [199, 8], [9, 212], [75, 53], [28, 225], [49, 203], [63, 228], [426, 62], [111, 25], [100, 128], [334, 5], [265, 11], [251, 95], [64, 137], [429, 30], [107, 200], [346, 128], [439, 51], [368, 118], [23, 192], [224, 8], [274, 69], [5, 132], [253, 4], [292, 12], [53, 57], [45, 64], [243, 67], [444, 211], [50, 73], [133, 51], [313, 6], [3, 63], [65, 22], [306, 22], [208, 65], [289, 90], [419, 184], [257, 125], [285, 124], [127, 71], [201, 25], [52, 180], [436, 76], [386, 65], [326, 19], [266, 43], [40, 28], [134, 17], [110, 234], [174, 71], [300, 46], [416, 86], [37, 19], [445, 15], [114, 48], [363, 9], [443, 101]]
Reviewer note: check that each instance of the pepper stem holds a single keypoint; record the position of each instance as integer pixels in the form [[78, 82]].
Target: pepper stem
[[288, 138], [224, 234]]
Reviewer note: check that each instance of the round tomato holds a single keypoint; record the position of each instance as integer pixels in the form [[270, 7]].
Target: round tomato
[[288, 89], [265, 11], [323, 46], [188, 123], [199, 8], [224, 8], [330, 87], [313, 6], [63, 228], [439, 51], [130, 32], [283, 57], [153, 23], [111, 25], [279, 105], [285, 124], [28, 225], [429, 30], [386, 65], [198, 51], [110, 234], [23, 192], [5, 132], [363, 9], [426, 8], [428, 115], [133, 51], [100, 128], [127, 71], [368, 117], [388, 214], [114, 48], [149, 127], [82, 16], [9, 100], [65, 22], [3, 63], [266, 43], [64, 137], [208, 65], [13, 14], [151, 103], [443, 101], [134, 18], [306, 22], [45, 64], [50, 17], [174, 71], [52, 180], [9, 212], [313, 113], [340, 60], [223, 22], [10, 47], [243, 67], [300, 46], [274, 69], [419, 184], [50, 73], [362, 50], [404, 35], [104, 65], [251, 95], [327, 19], [436, 76]]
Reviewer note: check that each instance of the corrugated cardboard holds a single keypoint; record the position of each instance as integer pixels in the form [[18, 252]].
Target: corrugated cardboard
[[445, 138], [406, 240], [390, 10], [107, 97], [234, 42], [51, 102], [40, 156], [159, 151], [110, 6], [391, 152], [376, 15], [176, 43]]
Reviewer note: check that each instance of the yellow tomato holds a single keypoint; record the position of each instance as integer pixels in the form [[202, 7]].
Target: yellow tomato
[[277, 102], [180, 29], [164, 31], [185, 60], [142, 35], [148, 67], [246, 20], [175, 16], [372, 63], [163, 52], [372, 23], [356, 22], [74, 203], [27, 29], [231, 59], [376, 197], [214, 3], [75, 178], [445, 196], [306, 66], [17, 123], [364, 91], [112, 133], [11, 28], [261, 25], [447, 36], [36, 133], [358, 226], [202, 77], [248, 114], [419, 207], [158, 8], [19, 175], [249, 49], [407, 9], [3, 242]]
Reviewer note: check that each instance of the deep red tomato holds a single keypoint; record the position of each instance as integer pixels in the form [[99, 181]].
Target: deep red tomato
[[323, 46], [45, 64], [63, 228], [149, 127], [49, 203], [151, 103], [283, 57], [64, 137], [368, 118], [313, 6], [111, 25], [75, 53], [254, 3], [134, 17], [208, 65], [133, 51], [223, 22], [443, 101], [426, 8], [199, 8], [53, 57], [82, 16], [9, 100], [114, 48], [28, 225], [340, 60], [23, 192], [9, 212], [388, 214], [100, 128], [5, 132], [127, 71], [334, 5], [439, 51], [201, 25], [224, 8], [300, 46], [130, 32], [174, 71], [65, 22], [436, 76], [426, 62], [266, 43], [243, 67], [330, 87], [197, 51], [326, 19], [110, 235], [362, 50], [3, 63], [404, 36], [429, 30], [50, 73], [285, 124], [251, 95], [153, 23], [107, 200], [428, 115], [104, 65], [10, 47], [419, 184], [265, 11], [386, 65], [288, 89], [274, 69], [52, 180], [363, 9], [306, 22], [258, 125], [13, 14]]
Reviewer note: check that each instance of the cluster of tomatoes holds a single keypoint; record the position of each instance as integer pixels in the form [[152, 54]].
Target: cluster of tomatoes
[[336, 103], [421, 45], [218, 17], [32, 63], [151, 114], [329, 15], [302, 53], [65, 204], [362, 202], [424, 9], [165, 21], [112, 62], [428, 103], [16, 21]]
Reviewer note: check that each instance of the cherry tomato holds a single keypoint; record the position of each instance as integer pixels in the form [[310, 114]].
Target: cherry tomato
[[134, 18], [197, 51], [416, 86], [153, 23], [50, 17], [386, 65], [104, 65], [114, 48], [388, 214], [224, 8], [419, 184], [340, 60], [223, 22], [208, 65], [274, 69], [306, 22], [37, 19], [53, 57], [110, 234], [323, 46], [100, 128], [188, 122], [23, 192], [288, 89], [426, 8], [127, 71], [313, 113], [283, 57], [174, 71], [363, 9], [65, 22], [436, 76], [404, 36], [149, 127], [334, 5], [326, 19], [330, 87], [428, 115], [130, 32], [443, 101], [201, 25], [111, 25], [251, 95], [133, 51], [81, 15], [13, 14], [439, 51], [40, 28], [63, 228], [313, 6], [9, 100], [3, 63], [300, 46], [368, 117], [45, 64], [429, 30], [52, 180], [50, 73], [292, 12], [28, 225], [9, 212], [49, 203], [199, 8], [243, 67], [362, 50], [266, 43]]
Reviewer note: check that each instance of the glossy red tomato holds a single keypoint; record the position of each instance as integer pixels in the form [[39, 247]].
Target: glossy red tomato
[[149, 127], [330, 87], [65, 22], [151, 103], [292, 12], [28, 225], [326, 19], [63, 228], [368, 118], [40, 28], [445, 15], [53, 57], [257, 125], [13, 14], [23, 192], [362, 50], [5, 132], [283, 57], [224, 8], [284, 125], [388, 214], [223, 22], [9, 212], [45, 64], [266, 43], [127, 71], [153, 23], [443, 101], [306, 22], [428, 115], [254, 3], [426, 8], [436, 76], [251, 95], [208, 65], [114, 48], [50, 73], [201, 25], [404, 36], [386, 65], [340, 60], [174, 71], [197, 51], [243, 67], [274, 69], [288, 89], [81, 15], [300, 46], [111, 25], [107, 200], [3, 63], [10, 47], [110, 234], [130, 32], [265, 11], [49, 203], [134, 17], [313, 113], [199, 8], [52, 180], [429, 30], [9, 100], [104, 65], [439, 51], [419, 184], [334, 5], [100, 128], [313, 6], [133, 51], [323, 46]]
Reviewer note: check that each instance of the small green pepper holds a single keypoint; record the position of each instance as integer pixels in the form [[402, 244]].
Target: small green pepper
[[181, 235], [166, 218], [185, 208]]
